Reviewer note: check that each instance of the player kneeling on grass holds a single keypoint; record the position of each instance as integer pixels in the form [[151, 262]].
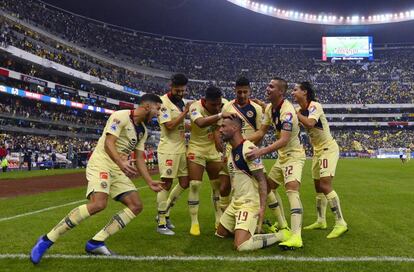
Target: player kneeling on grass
[[108, 173], [247, 207]]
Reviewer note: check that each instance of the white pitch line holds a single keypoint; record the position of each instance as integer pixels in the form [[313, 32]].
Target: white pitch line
[[223, 258], [48, 209]]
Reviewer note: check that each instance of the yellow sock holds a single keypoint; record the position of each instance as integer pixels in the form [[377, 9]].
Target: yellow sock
[[296, 212], [193, 200], [70, 221], [274, 206], [118, 221], [279, 200], [172, 198], [321, 203], [215, 196], [333, 200], [162, 197], [258, 241]]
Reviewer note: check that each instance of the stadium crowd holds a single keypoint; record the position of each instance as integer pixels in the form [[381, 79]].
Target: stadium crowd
[[386, 80]]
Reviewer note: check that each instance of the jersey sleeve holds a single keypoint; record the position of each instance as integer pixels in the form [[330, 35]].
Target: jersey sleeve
[[286, 118], [267, 117], [315, 111], [115, 124], [253, 165], [164, 114], [195, 111]]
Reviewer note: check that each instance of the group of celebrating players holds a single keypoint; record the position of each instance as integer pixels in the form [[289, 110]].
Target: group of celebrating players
[[225, 141]]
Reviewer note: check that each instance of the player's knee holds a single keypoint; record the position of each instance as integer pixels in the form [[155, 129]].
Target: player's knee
[[184, 182], [96, 206], [242, 245], [136, 208], [195, 185], [293, 185]]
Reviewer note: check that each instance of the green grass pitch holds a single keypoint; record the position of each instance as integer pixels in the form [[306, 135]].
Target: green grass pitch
[[376, 197]]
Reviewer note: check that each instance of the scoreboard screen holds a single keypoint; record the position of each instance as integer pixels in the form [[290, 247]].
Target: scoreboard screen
[[347, 48]]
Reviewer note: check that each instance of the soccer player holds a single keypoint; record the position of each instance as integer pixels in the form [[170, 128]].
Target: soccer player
[[325, 158], [408, 154], [202, 153], [291, 155], [172, 159], [251, 115], [108, 173], [246, 210], [402, 158]]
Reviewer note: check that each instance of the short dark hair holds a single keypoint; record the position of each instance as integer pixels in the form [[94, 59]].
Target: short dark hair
[[310, 92], [150, 98], [284, 83], [213, 93], [236, 120], [242, 81], [179, 80]]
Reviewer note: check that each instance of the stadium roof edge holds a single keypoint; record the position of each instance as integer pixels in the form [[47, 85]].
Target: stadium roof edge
[[183, 39]]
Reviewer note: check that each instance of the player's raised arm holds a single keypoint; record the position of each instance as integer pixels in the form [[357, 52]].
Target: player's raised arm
[[281, 142], [305, 121], [173, 123]]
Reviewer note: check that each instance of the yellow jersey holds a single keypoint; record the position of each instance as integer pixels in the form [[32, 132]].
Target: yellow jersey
[[201, 139], [130, 137], [320, 135], [284, 117], [171, 141], [251, 115], [245, 187]]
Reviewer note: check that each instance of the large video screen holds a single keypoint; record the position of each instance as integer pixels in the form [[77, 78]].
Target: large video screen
[[347, 48]]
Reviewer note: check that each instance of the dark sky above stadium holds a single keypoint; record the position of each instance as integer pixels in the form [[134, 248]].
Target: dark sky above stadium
[[219, 20]]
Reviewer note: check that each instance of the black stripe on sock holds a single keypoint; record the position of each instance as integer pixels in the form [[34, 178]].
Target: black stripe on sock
[[296, 211]]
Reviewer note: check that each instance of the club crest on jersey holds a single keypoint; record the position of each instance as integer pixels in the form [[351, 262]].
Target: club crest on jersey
[[237, 157], [194, 112], [250, 114]]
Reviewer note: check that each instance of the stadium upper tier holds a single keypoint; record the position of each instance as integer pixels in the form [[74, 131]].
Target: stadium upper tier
[[386, 80]]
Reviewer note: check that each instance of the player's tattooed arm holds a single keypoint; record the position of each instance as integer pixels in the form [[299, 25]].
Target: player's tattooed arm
[[261, 179]]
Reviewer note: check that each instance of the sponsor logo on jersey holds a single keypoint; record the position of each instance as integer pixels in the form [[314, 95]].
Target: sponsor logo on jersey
[[103, 175], [289, 117], [191, 156]]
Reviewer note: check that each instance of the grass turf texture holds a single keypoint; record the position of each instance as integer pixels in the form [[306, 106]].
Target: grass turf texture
[[376, 197]]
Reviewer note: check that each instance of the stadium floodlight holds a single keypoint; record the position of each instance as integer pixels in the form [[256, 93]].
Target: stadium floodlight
[[332, 19]]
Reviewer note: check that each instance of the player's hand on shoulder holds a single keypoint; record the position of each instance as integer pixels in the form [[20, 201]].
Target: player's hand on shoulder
[[254, 153]]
